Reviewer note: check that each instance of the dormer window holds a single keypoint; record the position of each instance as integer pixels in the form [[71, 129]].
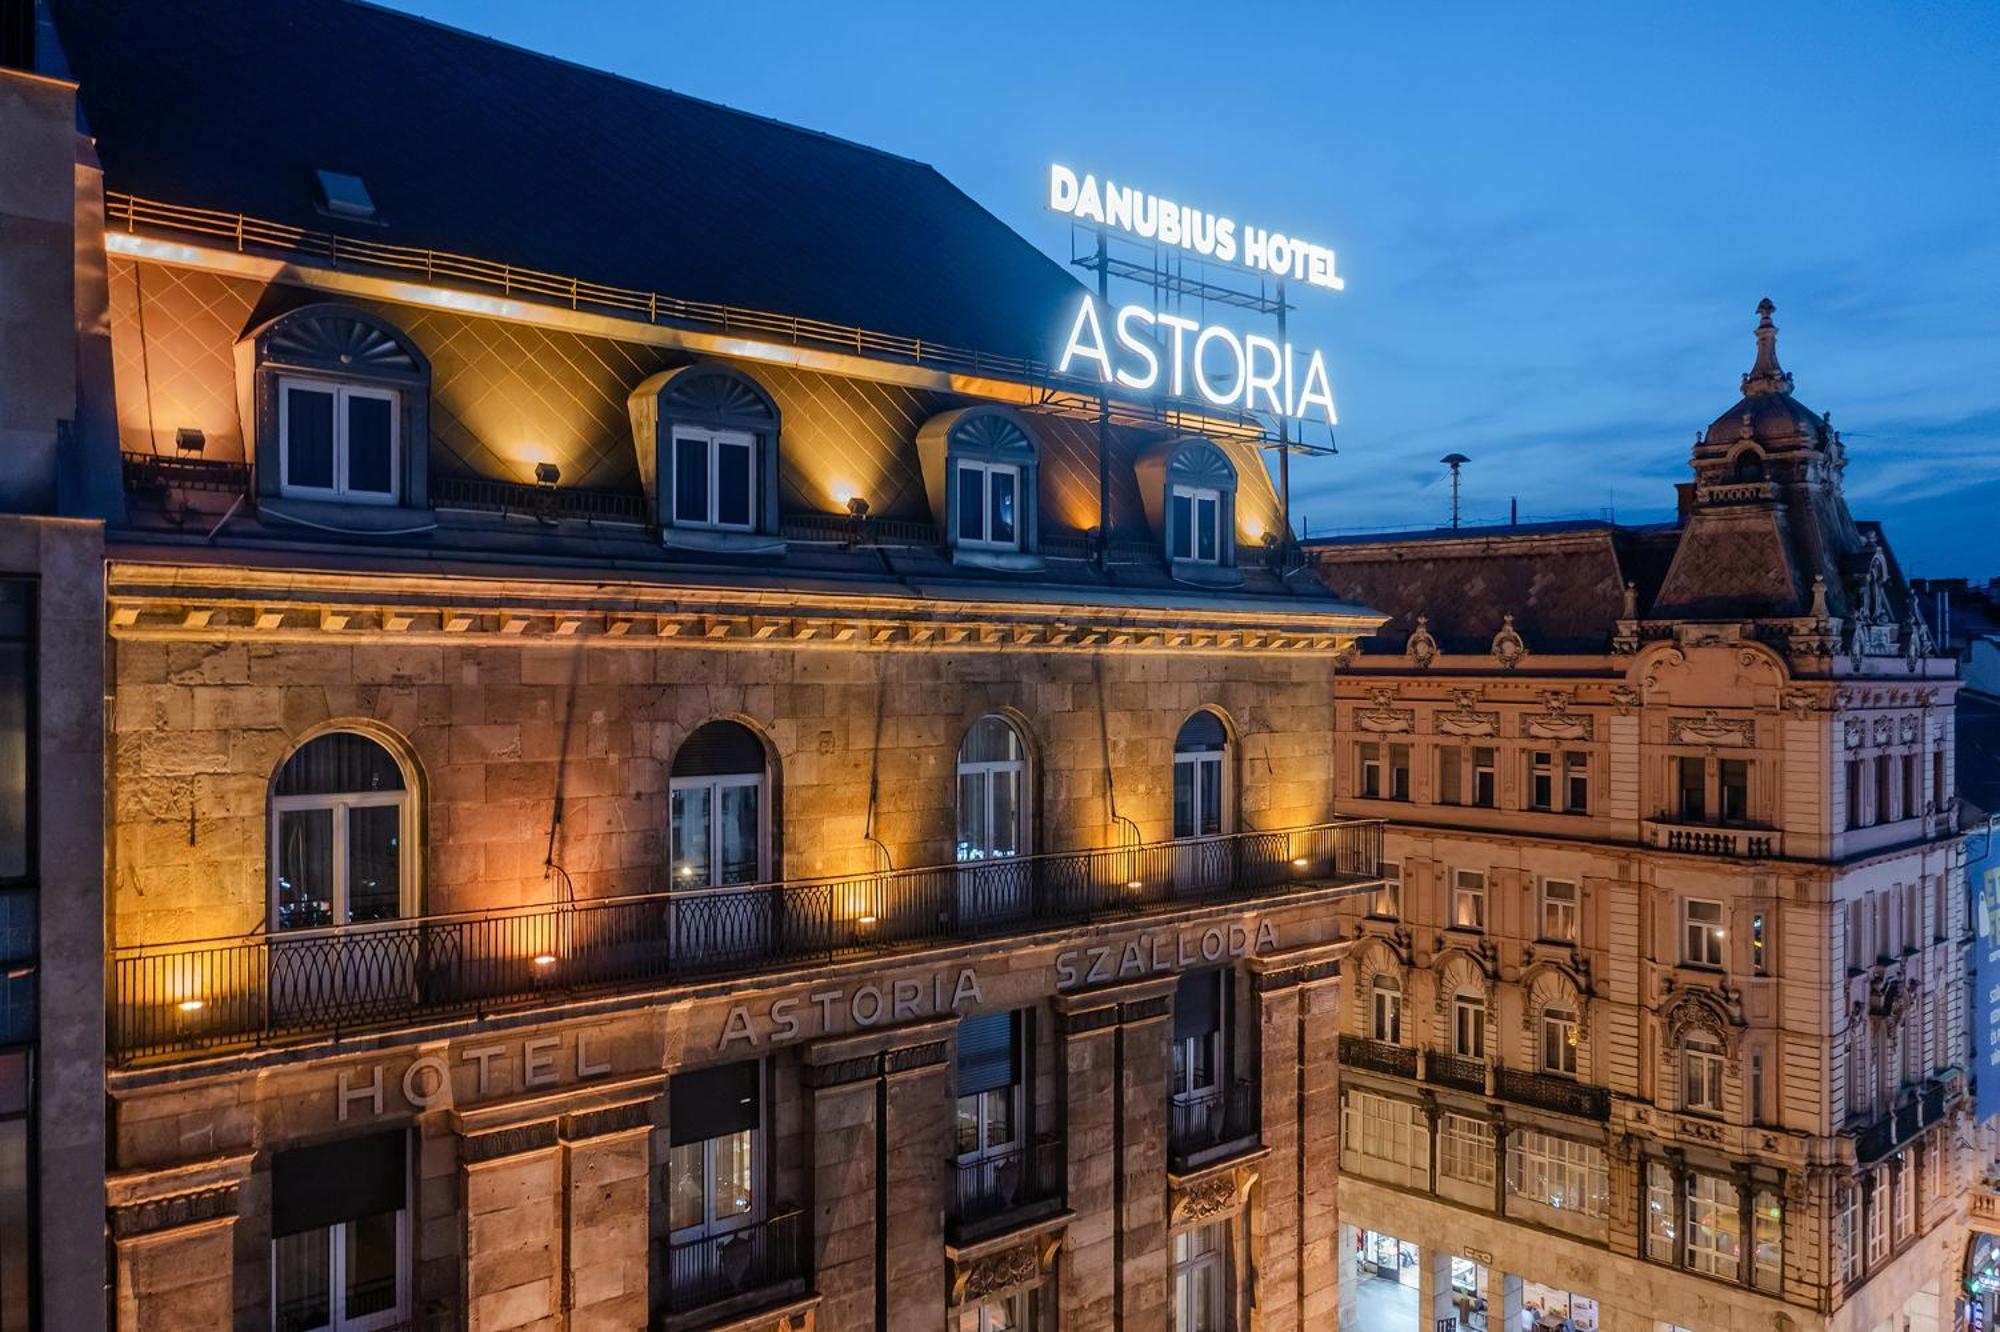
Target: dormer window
[[706, 437], [337, 441], [1195, 521], [981, 473]]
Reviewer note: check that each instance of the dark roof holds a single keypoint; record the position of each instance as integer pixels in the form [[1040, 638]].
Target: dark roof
[[474, 147]]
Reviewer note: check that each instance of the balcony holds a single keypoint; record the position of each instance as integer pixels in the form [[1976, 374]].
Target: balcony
[[744, 1268], [1204, 1130], [261, 988], [1001, 1191], [1708, 839], [1543, 1091], [1899, 1126]]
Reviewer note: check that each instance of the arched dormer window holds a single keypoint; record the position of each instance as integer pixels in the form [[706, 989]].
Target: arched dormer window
[[341, 828], [1747, 466], [719, 808], [340, 409], [1201, 777], [707, 443], [982, 475], [1189, 487]]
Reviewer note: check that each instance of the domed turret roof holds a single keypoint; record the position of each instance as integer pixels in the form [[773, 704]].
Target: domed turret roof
[[1767, 413]]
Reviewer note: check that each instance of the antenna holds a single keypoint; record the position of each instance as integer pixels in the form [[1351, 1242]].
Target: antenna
[[1454, 461]]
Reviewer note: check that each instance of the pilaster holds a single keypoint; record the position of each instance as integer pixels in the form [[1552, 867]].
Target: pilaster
[[173, 1235]]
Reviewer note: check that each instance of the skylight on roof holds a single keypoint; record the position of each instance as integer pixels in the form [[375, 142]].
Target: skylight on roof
[[345, 196]]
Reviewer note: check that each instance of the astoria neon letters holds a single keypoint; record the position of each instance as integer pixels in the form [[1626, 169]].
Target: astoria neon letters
[[1168, 352]]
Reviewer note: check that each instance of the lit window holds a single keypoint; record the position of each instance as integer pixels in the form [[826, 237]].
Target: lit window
[[1388, 899], [1465, 1149], [988, 502], [1386, 1010], [1714, 1226], [1002, 1315], [990, 1112], [1847, 1232], [1660, 1237], [1196, 523], [717, 808], [1468, 1026], [714, 1175], [338, 441], [340, 1234], [1701, 1075], [1559, 1041], [1468, 900], [1558, 1172], [339, 815], [1701, 933], [1199, 748], [993, 884], [1201, 1274], [1390, 1138], [715, 475], [1768, 1217], [1559, 910]]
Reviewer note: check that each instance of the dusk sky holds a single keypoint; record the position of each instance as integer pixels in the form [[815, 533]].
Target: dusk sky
[[1554, 222]]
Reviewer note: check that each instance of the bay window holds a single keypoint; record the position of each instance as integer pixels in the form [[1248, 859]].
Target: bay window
[[1558, 1172], [1465, 1149]]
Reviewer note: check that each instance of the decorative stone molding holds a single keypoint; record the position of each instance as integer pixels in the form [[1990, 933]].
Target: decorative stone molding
[[1422, 649], [515, 1140], [1801, 703], [1204, 1198], [1689, 1011], [1008, 1270], [1381, 717], [1508, 645], [603, 1122], [1069, 1023], [1289, 977], [1624, 698], [1712, 729], [172, 1212], [1465, 719], [1558, 723]]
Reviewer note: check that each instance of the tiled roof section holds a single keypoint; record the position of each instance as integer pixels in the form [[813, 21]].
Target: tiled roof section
[[1563, 584], [473, 147]]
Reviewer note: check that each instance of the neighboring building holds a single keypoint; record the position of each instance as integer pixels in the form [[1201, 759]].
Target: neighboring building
[[1661, 1019], [1966, 618], [752, 806]]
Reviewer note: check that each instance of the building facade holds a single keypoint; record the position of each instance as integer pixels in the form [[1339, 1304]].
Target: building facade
[[1660, 1020], [710, 792]]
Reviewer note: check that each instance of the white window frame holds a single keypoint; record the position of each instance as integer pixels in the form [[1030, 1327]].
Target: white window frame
[[1703, 941], [1190, 531], [982, 540], [1542, 774], [1763, 1226], [336, 1278], [1575, 776], [986, 771], [1561, 1035], [1468, 1026], [340, 804], [1703, 1066], [1486, 773], [341, 394], [983, 1118], [1558, 1172], [716, 440], [1878, 1219], [1560, 910], [1385, 1010], [1468, 889], [1372, 770], [1206, 770], [1008, 1313], [710, 1224], [1386, 903], [1903, 1181], [1189, 1261], [1847, 1232], [715, 784], [1465, 1149], [1388, 1131], [1714, 1210]]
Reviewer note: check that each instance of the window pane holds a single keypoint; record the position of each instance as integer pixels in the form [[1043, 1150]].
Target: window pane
[[732, 484], [302, 1264], [1006, 827], [972, 830], [374, 879], [1001, 528], [370, 457], [690, 480], [687, 1172], [999, 1117], [1204, 528], [971, 504], [1181, 522], [309, 437], [305, 869], [1184, 798], [739, 831], [688, 813], [968, 1124], [732, 1175], [371, 1264], [1210, 771]]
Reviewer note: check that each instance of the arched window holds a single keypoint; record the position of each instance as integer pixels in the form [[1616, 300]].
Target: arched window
[[342, 401], [340, 822], [1189, 487], [707, 441], [718, 795], [1749, 466], [1201, 806], [1559, 1040], [980, 468], [1385, 1009], [1701, 1073], [992, 791]]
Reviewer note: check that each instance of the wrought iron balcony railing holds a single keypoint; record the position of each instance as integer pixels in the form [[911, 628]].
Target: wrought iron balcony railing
[[1202, 1130], [1004, 1184], [1545, 1091], [1905, 1122], [736, 1263], [264, 987]]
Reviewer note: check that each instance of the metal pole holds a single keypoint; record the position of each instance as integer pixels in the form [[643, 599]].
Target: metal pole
[[1284, 450], [1103, 422]]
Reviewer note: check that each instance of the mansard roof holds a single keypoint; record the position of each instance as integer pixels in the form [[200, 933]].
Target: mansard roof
[[472, 147]]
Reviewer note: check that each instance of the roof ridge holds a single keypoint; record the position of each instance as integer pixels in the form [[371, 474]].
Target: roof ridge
[[383, 8]]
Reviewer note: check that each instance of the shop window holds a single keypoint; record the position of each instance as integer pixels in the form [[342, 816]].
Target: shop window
[[1559, 907], [340, 1243], [718, 807], [1468, 900], [341, 409], [1701, 933], [1201, 1277], [1468, 1026], [991, 1111], [1201, 806], [1387, 902], [1385, 1014], [1465, 1149], [340, 823], [1559, 1041], [715, 1162], [1702, 1066]]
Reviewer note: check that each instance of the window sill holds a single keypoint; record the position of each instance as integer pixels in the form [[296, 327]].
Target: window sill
[[1205, 575], [719, 541], [1005, 561], [359, 518]]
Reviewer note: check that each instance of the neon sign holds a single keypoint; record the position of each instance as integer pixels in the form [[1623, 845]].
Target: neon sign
[[1207, 235], [1254, 372]]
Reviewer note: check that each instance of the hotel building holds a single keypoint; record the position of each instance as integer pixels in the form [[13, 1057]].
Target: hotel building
[[659, 770], [1660, 1019]]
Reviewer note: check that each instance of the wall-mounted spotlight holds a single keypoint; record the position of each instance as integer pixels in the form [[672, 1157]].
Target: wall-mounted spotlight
[[190, 440]]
